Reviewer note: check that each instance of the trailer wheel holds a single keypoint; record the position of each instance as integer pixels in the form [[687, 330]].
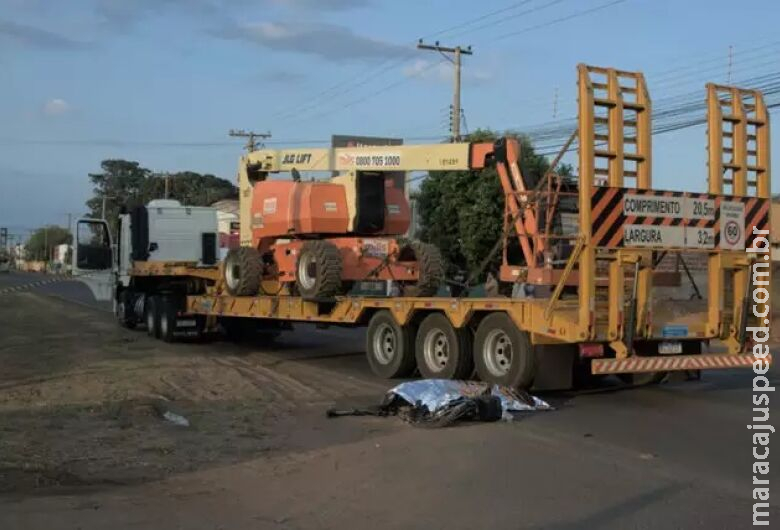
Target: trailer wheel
[[152, 316], [430, 265], [318, 270], [389, 347], [443, 351], [503, 354], [242, 271], [123, 310], [168, 310]]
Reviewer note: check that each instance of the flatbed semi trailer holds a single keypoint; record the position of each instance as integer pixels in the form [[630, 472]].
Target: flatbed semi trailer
[[597, 307], [509, 341]]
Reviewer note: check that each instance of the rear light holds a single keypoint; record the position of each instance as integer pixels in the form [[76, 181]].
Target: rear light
[[590, 350]]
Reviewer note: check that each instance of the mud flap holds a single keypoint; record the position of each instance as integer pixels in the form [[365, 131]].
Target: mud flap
[[554, 366]]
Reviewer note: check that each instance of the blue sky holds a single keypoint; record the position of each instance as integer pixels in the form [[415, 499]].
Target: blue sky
[[162, 81]]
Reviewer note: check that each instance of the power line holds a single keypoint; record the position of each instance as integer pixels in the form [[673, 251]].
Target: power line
[[429, 67], [352, 83], [561, 19]]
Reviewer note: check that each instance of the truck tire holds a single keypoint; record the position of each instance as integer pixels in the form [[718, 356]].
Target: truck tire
[[430, 265], [124, 310], [242, 271], [442, 351], [152, 316], [168, 313], [389, 347], [503, 354], [318, 270]]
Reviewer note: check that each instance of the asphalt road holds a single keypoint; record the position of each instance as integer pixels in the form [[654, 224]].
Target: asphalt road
[[53, 285], [677, 455]]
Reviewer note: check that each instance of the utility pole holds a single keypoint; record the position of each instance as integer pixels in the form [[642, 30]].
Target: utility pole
[[167, 179], [457, 52], [251, 136], [731, 62], [555, 103]]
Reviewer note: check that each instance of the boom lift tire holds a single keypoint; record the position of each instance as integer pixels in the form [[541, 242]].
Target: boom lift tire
[[430, 265], [242, 272], [318, 270], [389, 346], [152, 316], [123, 310], [503, 354], [442, 351]]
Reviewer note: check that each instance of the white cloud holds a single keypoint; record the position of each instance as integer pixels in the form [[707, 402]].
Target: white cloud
[[327, 41], [442, 71], [56, 107]]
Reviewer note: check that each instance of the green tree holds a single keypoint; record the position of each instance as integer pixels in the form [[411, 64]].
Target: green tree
[[42, 242], [461, 212], [123, 183]]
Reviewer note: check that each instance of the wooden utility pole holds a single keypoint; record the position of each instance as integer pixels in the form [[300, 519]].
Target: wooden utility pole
[[457, 52], [251, 143]]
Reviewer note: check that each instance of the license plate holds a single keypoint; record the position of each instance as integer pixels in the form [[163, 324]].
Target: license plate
[[185, 323], [669, 348]]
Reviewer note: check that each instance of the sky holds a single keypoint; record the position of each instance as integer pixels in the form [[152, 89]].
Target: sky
[[162, 81]]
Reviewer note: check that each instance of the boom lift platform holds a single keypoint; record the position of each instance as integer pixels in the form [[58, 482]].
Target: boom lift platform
[[600, 308]]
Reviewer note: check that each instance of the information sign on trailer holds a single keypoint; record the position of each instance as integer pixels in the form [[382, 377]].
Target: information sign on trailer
[[671, 219]]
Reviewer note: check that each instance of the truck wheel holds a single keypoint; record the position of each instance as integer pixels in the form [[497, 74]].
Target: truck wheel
[[430, 265], [123, 310], [442, 351], [318, 270], [168, 310], [389, 347], [152, 316], [242, 271], [503, 354]]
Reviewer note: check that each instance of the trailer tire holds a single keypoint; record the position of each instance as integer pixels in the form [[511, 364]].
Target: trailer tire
[[503, 354], [318, 270], [389, 346], [242, 271], [123, 310], [441, 350], [168, 310], [430, 265], [152, 316]]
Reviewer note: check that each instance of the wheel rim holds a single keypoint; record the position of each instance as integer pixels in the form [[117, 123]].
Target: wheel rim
[[384, 344], [497, 353], [164, 326], [307, 270], [150, 319], [232, 274], [436, 350]]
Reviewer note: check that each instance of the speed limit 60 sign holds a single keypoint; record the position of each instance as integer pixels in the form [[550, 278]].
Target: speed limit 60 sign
[[732, 225]]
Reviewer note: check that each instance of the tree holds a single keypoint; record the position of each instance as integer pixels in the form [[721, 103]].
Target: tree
[[42, 242], [125, 184], [461, 212]]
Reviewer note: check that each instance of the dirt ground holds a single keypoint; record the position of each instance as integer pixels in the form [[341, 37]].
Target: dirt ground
[[84, 444], [82, 401]]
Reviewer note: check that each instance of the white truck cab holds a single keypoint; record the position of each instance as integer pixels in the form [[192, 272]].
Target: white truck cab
[[162, 231]]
